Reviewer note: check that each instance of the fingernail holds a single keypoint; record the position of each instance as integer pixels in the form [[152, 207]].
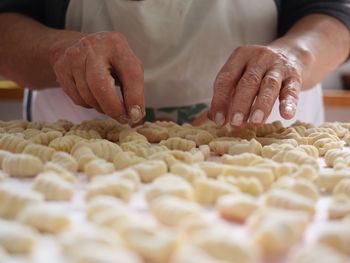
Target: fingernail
[[289, 109], [219, 118], [135, 113], [257, 116], [237, 119]]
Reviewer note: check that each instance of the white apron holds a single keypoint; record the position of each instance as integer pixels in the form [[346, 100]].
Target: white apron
[[182, 44]]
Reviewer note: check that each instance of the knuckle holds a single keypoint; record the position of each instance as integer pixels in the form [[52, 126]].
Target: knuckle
[[72, 52], [251, 79], [271, 81]]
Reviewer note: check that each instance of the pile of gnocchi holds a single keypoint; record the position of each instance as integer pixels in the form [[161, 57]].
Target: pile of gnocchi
[[102, 192]]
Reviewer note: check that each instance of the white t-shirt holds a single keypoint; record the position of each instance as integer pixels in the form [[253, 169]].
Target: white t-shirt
[[182, 44]]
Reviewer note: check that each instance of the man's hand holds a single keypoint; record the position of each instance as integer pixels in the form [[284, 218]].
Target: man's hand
[[249, 83], [85, 67]]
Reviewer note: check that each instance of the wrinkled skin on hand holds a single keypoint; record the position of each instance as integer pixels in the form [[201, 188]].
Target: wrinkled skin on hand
[[250, 82], [84, 67]]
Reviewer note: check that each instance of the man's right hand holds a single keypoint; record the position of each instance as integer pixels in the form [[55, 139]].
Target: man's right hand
[[85, 67]]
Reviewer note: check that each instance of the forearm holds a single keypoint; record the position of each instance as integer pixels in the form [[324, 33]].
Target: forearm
[[26, 50], [320, 42]]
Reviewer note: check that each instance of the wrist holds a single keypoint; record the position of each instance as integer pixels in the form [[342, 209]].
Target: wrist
[[59, 42]]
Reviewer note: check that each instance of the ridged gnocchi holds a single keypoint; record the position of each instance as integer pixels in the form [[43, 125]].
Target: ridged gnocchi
[[44, 218], [53, 187], [22, 165], [169, 184], [13, 201], [17, 238]]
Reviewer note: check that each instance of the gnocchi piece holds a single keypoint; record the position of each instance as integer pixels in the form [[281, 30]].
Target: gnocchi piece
[[336, 127], [105, 149], [153, 132], [316, 253], [222, 145], [248, 185], [221, 245], [342, 187], [85, 134], [45, 218], [169, 184], [22, 165], [3, 155], [126, 159], [264, 175], [189, 253], [324, 142], [337, 156], [267, 141], [98, 253], [177, 143], [236, 207], [110, 185], [131, 175], [145, 241], [346, 138], [171, 210], [327, 180], [212, 169], [14, 200], [16, 238], [65, 143], [60, 171], [200, 137], [269, 128], [13, 143], [285, 199], [339, 207], [142, 149], [296, 156], [252, 146], [300, 186], [290, 133], [65, 160], [277, 231], [97, 167], [103, 203], [172, 157], [309, 150], [271, 150], [208, 190], [205, 149], [44, 153], [150, 170], [53, 187], [336, 236], [131, 135], [45, 138], [243, 159], [83, 155], [188, 172], [307, 172], [84, 235]]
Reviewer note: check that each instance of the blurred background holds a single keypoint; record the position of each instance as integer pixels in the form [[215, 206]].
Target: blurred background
[[336, 96]]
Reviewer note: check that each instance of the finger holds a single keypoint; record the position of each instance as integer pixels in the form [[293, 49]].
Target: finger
[[268, 93], [102, 86], [78, 69], [129, 70], [67, 83], [224, 84], [289, 97], [245, 93]]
